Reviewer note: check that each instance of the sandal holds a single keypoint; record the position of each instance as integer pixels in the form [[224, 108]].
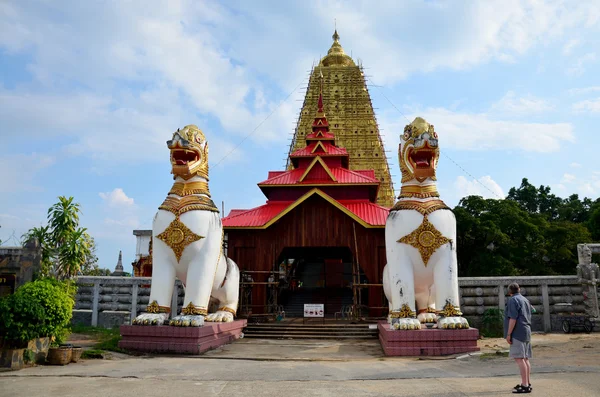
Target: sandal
[[519, 385], [521, 389]]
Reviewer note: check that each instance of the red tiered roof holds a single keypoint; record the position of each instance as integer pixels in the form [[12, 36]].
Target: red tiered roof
[[324, 167]]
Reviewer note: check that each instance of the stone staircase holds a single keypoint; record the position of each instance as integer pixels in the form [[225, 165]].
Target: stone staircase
[[286, 330]]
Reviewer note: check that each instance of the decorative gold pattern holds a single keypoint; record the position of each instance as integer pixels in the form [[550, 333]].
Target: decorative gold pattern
[[426, 238], [187, 189], [424, 207], [154, 308], [178, 236], [351, 117], [182, 205], [191, 310], [226, 309], [450, 311], [405, 312], [418, 191]]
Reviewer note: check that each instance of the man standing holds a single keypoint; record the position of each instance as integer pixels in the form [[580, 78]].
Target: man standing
[[517, 330]]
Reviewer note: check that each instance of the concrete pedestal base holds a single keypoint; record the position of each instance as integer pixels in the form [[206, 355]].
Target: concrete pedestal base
[[427, 342], [180, 340]]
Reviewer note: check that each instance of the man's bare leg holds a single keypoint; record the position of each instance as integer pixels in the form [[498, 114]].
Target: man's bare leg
[[523, 370], [528, 365]]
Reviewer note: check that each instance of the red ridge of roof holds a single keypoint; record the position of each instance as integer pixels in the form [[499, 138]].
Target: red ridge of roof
[[325, 135], [331, 151], [371, 213], [273, 174], [235, 212], [256, 216], [367, 173], [342, 176]]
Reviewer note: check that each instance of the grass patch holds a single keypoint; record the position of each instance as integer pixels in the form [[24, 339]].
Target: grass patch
[[93, 353], [108, 338], [497, 354]]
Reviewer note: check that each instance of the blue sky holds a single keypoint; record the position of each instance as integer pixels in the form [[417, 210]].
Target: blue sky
[[91, 91]]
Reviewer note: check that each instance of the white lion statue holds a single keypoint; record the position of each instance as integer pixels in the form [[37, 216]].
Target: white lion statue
[[420, 238], [187, 239]]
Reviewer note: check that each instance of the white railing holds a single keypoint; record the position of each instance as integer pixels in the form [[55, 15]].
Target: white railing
[[548, 294]]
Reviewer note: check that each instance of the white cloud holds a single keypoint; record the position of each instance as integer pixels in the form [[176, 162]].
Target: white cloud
[[575, 165], [485, 187], [568, 178], [584, 90], [117, 199], [511, 104], [170, 51], [568, 47], [481, 131], [18, 171], [578, 67], [587, 106]]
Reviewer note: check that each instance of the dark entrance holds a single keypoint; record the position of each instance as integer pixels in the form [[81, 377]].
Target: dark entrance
[[315, 275]]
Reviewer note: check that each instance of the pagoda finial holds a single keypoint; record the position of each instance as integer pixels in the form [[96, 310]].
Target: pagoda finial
[[336, 36]]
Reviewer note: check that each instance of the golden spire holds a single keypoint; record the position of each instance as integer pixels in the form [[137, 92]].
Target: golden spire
[[336, 55]]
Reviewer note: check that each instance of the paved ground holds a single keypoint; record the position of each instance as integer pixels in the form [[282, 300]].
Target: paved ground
[[564, 365]]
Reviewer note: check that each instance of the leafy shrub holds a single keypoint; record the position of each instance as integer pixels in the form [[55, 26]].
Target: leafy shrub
[[493, 323], [37, 309]]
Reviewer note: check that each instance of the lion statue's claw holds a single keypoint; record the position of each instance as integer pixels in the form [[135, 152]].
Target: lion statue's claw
[[427, 318], [220, 316], [453, 323], [405, 324], [187, 321], [153, 319]]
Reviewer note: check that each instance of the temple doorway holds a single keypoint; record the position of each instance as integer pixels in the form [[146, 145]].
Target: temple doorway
[[321, 275]]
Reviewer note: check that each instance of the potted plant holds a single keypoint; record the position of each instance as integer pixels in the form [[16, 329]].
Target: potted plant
[[39, 309]]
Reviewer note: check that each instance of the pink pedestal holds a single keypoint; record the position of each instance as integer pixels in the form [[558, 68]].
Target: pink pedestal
[[427, 342], [181, 340]]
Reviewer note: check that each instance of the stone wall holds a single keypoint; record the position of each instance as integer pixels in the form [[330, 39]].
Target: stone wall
[[18, 265], [111, 301]]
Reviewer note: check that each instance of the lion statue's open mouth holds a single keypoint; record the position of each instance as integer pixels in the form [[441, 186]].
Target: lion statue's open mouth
[[189, 153], [422, 161], [419, 151]]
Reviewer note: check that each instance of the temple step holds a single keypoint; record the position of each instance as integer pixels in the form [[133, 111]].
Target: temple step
[[310, 331]]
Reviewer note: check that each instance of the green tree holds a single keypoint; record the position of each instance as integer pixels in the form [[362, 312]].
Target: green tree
[[593, 223], [66, 245], [532, 232], [90, 266], [43, 236]]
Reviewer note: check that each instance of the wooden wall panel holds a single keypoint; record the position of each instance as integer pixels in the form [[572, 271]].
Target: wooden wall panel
[[314, 223]]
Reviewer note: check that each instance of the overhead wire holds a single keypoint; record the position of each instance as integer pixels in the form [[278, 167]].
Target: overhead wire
[[259, 124], [442, 152]]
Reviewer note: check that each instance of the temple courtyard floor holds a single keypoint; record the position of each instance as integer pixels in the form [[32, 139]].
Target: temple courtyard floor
[[563, 365]]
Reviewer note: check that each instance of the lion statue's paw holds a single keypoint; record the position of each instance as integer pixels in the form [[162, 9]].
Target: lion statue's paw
[[151, 319], [427, 318], [187, 321], [453, 323], [220, 316], [405, 323]]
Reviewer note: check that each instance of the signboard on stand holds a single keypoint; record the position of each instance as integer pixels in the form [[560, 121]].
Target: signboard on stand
[[314, 310]]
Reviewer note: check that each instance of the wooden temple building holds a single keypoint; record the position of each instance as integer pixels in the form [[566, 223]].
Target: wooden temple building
[[320, 236]]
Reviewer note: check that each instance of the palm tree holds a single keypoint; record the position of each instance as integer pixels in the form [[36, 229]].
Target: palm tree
[[65, 246], [64, 219], [72, 253]]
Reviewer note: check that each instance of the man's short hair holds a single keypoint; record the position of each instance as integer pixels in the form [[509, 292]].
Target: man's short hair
[[514, 288]]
